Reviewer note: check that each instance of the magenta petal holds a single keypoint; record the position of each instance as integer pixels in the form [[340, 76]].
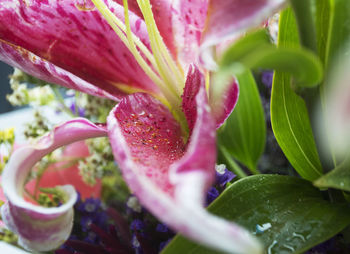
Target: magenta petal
[[227, 18], [171, 178], [223, 100], [73, 36], [40, 228], [188, 21], [34, 65]]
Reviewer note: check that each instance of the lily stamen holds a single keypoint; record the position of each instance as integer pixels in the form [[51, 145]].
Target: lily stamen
[[160, 50], [171, 95], [171, 98]]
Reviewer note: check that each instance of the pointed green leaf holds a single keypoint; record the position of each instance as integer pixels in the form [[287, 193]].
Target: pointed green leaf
[[244, 133], [322, 17], [294, 214], [338, 178], [339, 30], [289, 115]]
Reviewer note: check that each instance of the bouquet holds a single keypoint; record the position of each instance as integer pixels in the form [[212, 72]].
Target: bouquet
[[192, 126]]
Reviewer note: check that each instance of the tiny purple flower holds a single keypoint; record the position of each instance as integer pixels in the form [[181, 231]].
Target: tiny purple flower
[[162, 228], [266, 78], [223, 175], [212, 194]]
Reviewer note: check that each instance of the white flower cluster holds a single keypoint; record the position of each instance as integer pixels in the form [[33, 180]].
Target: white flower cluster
[[98, 163], [22, 95]]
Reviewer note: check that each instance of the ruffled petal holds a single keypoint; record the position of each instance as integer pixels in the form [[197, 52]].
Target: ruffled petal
[[227, 18], [223, 100], [171, 178], [73, 36], [40, 228]]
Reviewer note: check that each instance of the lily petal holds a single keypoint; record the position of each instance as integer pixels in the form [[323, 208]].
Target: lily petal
[[171, 178], [221, 102], [188, 22], [228, 18], [40, 228], [73, 36]]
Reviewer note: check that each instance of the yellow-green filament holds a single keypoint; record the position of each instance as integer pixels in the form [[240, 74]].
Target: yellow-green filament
[[119, 27], [172, 98], [168, 68], [164, 71]]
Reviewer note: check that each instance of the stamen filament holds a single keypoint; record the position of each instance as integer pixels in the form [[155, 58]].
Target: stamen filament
[[164, 67], [119, 28], [160, 51], [172, 98]]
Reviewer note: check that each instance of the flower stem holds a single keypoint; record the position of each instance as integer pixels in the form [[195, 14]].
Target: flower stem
[[233, 166]]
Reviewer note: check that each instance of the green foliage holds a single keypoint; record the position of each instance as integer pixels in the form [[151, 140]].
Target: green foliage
[[339, 29], [299, 217], [289, 116], [338, 178], [254, 51], [244, 133]]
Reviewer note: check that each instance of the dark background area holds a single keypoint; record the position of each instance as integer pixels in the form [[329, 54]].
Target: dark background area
[[5, 71]]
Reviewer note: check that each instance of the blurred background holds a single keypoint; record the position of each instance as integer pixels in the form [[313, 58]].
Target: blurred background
[[5, 71]]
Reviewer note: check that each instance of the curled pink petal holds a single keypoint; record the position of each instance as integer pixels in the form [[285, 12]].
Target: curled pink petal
[[170, 178], [227, 18], [223, 99], [40, 228], [73, 36]]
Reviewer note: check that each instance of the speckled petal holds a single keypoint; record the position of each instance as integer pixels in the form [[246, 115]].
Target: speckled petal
[[227, 18], [44, 70], [170, 178], [73, 36], [40, 228], [188, 22]]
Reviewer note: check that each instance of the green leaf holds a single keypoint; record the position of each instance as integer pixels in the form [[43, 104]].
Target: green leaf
[[254, 51], [339, 30], [322, 17], [244, 133], [338, 178], [299, 216], [289, 115]]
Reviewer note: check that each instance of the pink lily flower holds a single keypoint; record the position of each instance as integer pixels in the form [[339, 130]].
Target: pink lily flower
[[152, 60]]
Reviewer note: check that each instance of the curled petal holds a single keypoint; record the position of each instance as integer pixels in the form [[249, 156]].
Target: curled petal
[[222, 100], [73, 36], [170, 178], [228, 18], [40, 228]]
